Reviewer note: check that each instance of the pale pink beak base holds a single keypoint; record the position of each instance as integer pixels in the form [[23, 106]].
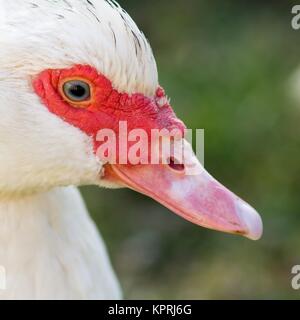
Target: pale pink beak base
[[198, 198]]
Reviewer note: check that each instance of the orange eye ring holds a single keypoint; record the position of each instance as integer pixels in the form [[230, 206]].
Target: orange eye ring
[[77, 91]]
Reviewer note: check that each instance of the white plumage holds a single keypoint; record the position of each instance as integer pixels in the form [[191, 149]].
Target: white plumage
[[48, 244], [51, 249]]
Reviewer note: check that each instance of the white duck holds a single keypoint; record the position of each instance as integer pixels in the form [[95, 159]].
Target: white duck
[[67, 69]]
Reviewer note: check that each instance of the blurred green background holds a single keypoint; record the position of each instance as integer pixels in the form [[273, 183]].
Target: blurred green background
[[227, 66]]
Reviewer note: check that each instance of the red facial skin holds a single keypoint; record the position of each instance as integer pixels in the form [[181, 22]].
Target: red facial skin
[[107, 106], [199, 199]]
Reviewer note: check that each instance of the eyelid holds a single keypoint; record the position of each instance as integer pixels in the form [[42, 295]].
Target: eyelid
[[79, 104]]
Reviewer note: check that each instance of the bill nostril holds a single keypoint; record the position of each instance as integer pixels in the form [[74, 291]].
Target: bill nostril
[[176, 165]]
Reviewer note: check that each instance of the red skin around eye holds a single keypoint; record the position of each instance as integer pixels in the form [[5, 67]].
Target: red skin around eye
[[107, 106]]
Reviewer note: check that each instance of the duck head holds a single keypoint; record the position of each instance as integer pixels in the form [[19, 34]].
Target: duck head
[[71, 69]]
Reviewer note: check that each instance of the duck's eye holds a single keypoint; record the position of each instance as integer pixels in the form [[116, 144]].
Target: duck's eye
[[77, 90]]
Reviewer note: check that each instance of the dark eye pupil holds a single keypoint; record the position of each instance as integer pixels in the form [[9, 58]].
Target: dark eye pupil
[[77, 91]]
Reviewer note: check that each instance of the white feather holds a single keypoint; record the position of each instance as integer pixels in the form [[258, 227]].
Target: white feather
[[39, 34], [51, 249], [48, 244]]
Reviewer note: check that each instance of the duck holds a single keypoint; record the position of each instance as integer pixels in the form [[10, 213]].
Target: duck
[[70, 69]]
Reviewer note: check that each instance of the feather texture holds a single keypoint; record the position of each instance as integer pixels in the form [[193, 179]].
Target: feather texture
[[51, 249], [48, 244]]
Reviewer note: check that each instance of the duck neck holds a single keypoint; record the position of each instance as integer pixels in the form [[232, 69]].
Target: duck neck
[[45, 245], [31, 215]]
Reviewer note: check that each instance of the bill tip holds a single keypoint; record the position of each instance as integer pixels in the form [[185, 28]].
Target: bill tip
[[251, 219]]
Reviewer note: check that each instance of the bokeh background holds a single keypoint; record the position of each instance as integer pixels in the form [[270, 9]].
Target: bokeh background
[[227, 66]]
